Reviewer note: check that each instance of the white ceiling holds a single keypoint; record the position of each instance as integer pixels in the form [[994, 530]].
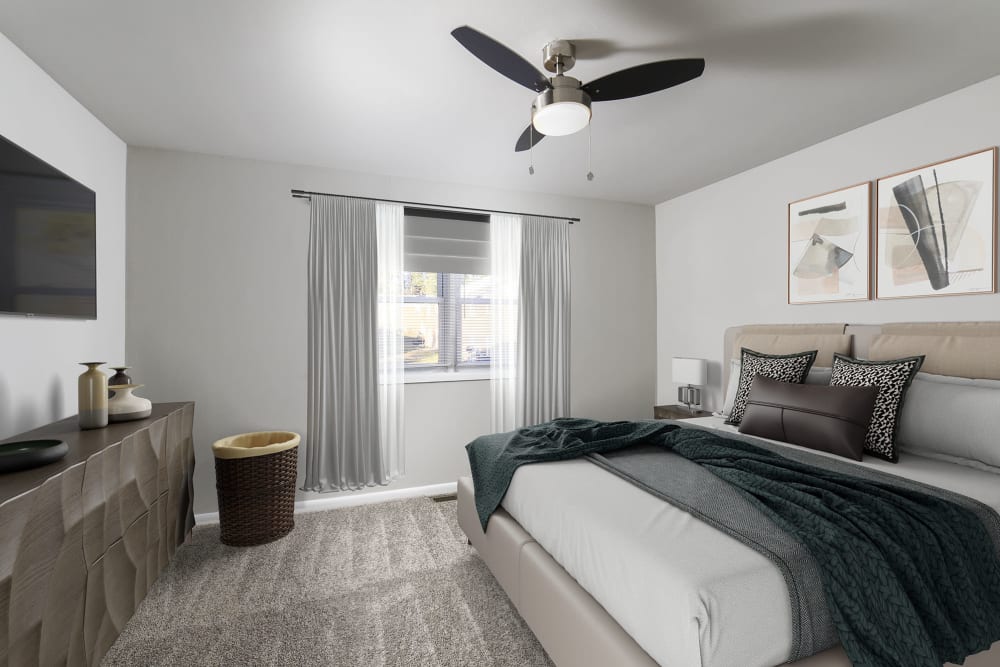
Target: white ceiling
[[380, 86]]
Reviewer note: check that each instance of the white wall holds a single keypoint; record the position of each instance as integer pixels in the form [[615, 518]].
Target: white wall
[[217, 303], [721, 250], [38, 356]]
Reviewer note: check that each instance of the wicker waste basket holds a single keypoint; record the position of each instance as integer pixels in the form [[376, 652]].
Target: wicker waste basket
[[255, 480]]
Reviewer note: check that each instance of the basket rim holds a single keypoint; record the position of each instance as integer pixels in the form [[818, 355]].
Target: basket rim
[[227, 448]]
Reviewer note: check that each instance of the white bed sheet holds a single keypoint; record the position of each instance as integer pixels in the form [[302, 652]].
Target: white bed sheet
[[687, 593]]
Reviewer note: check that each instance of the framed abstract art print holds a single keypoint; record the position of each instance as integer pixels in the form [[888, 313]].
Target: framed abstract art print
[[936, 231], [828, 246]]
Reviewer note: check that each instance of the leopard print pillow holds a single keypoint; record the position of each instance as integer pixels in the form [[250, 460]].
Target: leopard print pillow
[[781, 367], [892, 378]]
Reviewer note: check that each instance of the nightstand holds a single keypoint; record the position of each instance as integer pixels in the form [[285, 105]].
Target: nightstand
[[678, 412]]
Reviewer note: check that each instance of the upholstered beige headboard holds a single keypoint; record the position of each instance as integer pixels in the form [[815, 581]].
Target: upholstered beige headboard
[[962, 349], [785, 339]]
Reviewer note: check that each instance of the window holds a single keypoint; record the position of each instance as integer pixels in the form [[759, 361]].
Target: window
[[446, 322], [446, 296]]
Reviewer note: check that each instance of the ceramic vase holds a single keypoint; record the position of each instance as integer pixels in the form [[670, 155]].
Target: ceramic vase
[[120, 377], [126, 406], [92, 394]]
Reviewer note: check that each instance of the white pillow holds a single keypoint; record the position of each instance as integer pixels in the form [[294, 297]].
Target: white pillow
[[734, 384], [952, 419], [816, 376]]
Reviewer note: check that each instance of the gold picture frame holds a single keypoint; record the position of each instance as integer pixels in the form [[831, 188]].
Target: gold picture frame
[[829, 246], [936, 228]]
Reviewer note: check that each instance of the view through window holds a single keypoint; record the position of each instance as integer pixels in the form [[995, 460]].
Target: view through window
[[446, 321]]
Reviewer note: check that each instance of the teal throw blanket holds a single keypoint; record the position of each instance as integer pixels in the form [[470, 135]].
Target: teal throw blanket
[[911, 579], [494, 458]]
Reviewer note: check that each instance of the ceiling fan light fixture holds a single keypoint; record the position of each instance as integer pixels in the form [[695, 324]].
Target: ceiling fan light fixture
[[563, 103], [561, 110], [561, 118]]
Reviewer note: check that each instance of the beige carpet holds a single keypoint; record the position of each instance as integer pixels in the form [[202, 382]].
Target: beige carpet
[[390, 585]]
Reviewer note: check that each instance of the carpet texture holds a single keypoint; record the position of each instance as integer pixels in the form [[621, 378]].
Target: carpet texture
[[391, 584]]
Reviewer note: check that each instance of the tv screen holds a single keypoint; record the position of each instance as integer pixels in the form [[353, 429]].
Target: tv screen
[[48, 239]]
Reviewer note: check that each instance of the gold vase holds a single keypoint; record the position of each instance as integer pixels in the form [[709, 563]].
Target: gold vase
[[93, 396]]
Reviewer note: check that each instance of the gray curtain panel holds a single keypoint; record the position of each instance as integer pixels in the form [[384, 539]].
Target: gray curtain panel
[[544, 321], [342, 448]]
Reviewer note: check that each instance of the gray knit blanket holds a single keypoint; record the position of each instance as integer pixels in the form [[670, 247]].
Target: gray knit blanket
[[849, 541]]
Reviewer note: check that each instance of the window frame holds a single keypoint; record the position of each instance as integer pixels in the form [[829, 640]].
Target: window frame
[[450, 366]]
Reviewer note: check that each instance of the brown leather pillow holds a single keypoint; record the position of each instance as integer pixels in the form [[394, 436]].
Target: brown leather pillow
[[830, 419]]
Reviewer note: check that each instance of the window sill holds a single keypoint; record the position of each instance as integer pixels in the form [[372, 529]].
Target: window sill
[[421, 377]]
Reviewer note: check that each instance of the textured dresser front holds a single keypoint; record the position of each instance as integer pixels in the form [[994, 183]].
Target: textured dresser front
[[80, 550]]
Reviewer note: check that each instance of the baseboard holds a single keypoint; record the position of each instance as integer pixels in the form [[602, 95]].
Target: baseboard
[[353, 500]]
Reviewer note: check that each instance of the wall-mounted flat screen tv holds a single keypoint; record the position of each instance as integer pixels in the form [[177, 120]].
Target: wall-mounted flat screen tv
[[48, 239]]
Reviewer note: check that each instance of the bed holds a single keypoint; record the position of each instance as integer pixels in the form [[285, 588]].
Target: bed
[[606, 574]]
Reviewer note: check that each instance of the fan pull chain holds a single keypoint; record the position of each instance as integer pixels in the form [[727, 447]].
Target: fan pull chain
[[590, 150], [531, 146]]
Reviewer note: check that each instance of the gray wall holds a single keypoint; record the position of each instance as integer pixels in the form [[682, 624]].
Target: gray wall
[[721, 250], [217, 303], [39, 355]]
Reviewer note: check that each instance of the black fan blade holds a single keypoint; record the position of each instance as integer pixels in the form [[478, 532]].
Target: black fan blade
[[500, 58], [528, 138], [644, 79]]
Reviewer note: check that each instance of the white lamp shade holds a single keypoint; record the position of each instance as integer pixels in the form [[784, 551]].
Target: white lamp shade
[[689, 371], [558, 119]]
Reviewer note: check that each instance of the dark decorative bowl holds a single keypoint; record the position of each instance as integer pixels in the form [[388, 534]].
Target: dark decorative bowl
[[26, 454]]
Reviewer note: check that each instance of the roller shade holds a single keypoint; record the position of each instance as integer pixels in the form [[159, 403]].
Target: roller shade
[[445, 244]]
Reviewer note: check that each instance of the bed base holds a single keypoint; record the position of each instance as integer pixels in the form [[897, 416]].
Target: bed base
[[572, 627]]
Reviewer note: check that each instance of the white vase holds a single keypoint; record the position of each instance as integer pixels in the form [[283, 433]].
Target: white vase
[[125, 406]]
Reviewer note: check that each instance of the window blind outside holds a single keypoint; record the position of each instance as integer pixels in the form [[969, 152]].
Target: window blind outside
[[439, 245]]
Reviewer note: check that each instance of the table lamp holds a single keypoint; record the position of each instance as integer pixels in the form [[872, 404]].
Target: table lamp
[[690, 372]]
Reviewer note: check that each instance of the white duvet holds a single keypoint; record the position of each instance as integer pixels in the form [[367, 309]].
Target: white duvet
[[687, 593]]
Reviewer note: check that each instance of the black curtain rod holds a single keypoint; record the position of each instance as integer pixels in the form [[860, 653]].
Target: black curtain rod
[[306, 194]]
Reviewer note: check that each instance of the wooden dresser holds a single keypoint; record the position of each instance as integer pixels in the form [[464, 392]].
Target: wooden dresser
[[82, 540]]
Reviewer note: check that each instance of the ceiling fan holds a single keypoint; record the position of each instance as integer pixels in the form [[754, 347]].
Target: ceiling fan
[[563, 103]]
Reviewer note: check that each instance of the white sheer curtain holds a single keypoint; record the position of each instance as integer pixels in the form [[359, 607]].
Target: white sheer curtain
[[390, 230], [505, 268], [544, 321], [354, 396]]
